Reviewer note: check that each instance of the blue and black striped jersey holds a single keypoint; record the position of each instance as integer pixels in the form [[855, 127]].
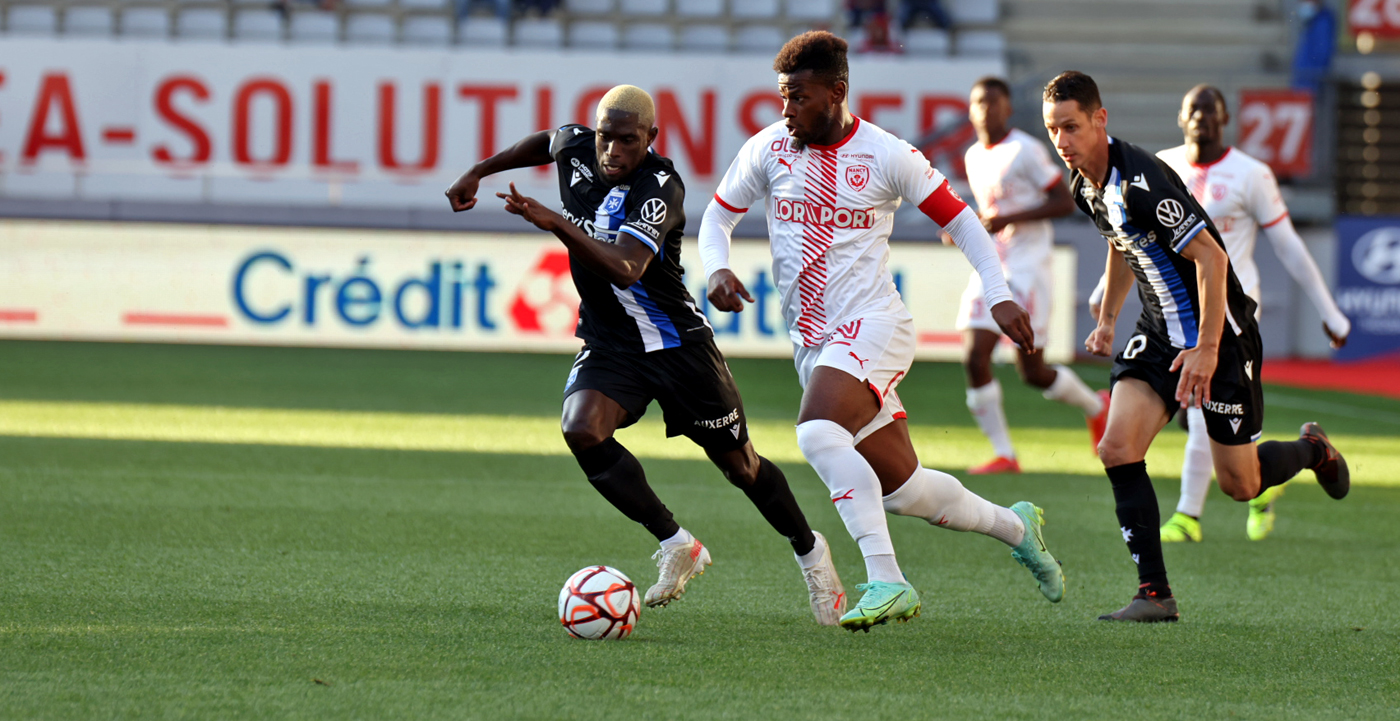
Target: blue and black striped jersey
[[1147, 213], [657, 311]]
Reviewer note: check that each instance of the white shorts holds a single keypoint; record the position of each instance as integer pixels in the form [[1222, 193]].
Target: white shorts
[[876, 348], [1030, 287]]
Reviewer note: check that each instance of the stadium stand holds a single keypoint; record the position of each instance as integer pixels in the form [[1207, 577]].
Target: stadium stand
[[751, 26]]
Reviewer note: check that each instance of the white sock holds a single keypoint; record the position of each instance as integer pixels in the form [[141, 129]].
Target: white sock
[[682, 538], [810, 560], [942, 500], [985, 404], [1197, 467], [856, 491], [1068, 388]]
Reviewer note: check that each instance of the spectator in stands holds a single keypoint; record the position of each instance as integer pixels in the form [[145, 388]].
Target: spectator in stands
[[877, 36], [858, 12], [1317, 41], [911, 10], [501, 8]]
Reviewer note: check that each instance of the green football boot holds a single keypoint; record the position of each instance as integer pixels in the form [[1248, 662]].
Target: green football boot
[[1261, 514], [1033, 554], [882, 601], [1181, 527]]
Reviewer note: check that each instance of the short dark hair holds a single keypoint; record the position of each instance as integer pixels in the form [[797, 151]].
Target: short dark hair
[[992, 82], [1207, 88], [1076, 86], [817, 50]]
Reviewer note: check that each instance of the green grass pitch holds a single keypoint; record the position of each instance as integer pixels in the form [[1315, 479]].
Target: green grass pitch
[[204, 532]]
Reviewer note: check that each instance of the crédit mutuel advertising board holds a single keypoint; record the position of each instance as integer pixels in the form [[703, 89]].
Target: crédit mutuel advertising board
[[394, 289]]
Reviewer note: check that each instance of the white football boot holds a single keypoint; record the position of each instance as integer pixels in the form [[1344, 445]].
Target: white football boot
[[677, 566], [828, 595]]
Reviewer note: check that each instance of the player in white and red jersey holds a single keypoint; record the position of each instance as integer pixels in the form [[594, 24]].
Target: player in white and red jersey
[[831, 183], [1242, 197], [1018, 188]]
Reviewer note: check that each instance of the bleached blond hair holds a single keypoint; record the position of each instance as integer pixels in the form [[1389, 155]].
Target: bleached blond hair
[[629, 99]]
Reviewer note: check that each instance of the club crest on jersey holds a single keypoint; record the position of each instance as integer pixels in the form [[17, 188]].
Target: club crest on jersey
[[857, 176], [1218, 192], [613, 202]]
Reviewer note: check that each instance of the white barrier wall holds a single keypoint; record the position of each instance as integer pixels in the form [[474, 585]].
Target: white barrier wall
[[392, 289], [382, 127]]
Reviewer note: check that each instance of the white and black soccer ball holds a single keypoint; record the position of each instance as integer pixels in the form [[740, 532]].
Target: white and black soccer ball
[[599, 602]]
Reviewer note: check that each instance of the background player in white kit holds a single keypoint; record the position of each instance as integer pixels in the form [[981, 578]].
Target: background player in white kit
[[1241, 195], [1018, 188], [831, 183]]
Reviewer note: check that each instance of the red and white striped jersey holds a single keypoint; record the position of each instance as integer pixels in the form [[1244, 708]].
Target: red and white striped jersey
[[1241, 195], [830, 211]]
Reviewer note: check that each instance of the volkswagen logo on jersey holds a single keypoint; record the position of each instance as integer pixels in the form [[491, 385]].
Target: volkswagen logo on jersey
[[1377, 256], [654, 211], [1169, 213]]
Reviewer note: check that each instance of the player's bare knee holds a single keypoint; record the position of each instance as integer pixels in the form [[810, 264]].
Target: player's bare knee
[[1113, 452], [1237, 485], [739, 467], [582, 436]]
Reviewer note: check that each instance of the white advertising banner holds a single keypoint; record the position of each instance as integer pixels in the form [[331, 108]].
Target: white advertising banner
[[393, 289], [387, 127]]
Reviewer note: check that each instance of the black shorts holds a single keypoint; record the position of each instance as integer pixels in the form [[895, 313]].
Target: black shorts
[[691, 383], [1235, 412]]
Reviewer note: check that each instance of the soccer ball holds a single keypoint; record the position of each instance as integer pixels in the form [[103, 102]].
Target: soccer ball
[[599, 602]]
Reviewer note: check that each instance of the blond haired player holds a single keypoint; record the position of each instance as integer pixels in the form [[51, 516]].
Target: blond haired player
[[1018, 188], [831, 183]]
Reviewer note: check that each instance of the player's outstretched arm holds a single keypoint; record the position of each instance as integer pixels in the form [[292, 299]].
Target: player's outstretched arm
[[1198, 364], [726, 292], [532, 150], [621, 263], [1289, 247], [1117, 280]]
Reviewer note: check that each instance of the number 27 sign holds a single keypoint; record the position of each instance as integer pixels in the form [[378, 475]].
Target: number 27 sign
[[1276, 126]]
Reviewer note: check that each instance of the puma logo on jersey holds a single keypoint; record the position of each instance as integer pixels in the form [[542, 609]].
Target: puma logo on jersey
[[860, 360], [786, 164], [1140, 182], [844, 496]]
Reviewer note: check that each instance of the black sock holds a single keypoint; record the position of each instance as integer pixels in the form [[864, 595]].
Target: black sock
[[617, 475], [1279, 461], [772, 497], [1139, 519]]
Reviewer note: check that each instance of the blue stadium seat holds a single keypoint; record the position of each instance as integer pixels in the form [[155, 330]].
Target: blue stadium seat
[[759, 39], [429, 31], [755, 9], [31, 20], [539, 33], [980, 43], [926, 42], [85, 21], [645, 7], [649, 36], [257, 25], [593, 35], [811, 9], [589, 7], [704, 38], [313, 26], [973, 12], [204, 24], [700, 8], [478, 32], [145, 22], [369, 29]]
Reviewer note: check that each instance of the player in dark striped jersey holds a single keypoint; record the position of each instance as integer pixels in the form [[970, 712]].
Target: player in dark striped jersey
[[1195, 345], [644, 339]]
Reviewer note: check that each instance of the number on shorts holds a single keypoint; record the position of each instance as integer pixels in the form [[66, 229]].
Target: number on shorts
[[1136, 345]]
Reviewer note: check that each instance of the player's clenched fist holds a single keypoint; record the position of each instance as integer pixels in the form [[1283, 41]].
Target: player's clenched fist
[[1100, 342], [1015, 323], [462, 194], [726, 291]]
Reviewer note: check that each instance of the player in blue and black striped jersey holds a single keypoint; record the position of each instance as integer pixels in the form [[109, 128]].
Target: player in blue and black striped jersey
[[644, 339], [1196, 343]]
